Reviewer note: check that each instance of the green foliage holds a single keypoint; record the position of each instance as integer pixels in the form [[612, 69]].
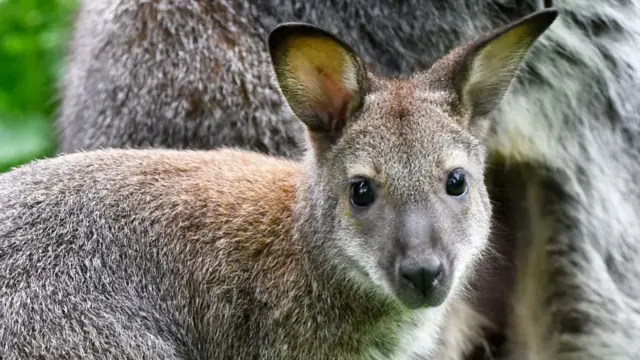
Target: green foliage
[[33, 35]]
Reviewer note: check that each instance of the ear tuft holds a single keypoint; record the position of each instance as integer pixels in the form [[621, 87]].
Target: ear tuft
[[320, 77]]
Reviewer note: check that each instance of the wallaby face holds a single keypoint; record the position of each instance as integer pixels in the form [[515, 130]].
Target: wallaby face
[[398, 164]]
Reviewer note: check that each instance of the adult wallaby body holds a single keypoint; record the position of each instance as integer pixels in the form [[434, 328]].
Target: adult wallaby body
[[195, 74], [357, 252]]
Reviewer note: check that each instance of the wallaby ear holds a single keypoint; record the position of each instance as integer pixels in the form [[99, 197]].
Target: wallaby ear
[[483, 70], [320, 77]]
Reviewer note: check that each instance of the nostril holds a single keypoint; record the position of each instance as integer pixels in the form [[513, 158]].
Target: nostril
[[415, 276], [408, 276], [424, 275], [434, 271], [438, 273]]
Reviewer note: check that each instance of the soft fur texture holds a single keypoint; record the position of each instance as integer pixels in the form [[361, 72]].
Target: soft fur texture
[[185, 73], [232, 254]]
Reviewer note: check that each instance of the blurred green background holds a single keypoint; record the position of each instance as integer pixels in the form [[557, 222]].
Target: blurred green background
[[33, 36]]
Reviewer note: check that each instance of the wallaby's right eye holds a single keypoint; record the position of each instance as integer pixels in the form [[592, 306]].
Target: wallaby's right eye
[[362, 193], [456, 183]]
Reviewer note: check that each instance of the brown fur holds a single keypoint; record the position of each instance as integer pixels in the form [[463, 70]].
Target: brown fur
[[232, 254]]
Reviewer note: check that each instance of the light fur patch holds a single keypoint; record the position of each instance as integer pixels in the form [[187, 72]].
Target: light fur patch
[[362, 170], [455, 158]]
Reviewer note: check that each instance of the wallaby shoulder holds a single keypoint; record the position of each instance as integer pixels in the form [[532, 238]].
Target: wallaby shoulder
[[105, 234]]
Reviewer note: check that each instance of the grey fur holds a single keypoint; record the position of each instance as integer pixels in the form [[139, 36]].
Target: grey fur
[[570, 124], [232, 254], [184, 73]]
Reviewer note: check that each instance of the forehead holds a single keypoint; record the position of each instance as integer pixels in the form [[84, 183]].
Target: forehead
[[406, 131]]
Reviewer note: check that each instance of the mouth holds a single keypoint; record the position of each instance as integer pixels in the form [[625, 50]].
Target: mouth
[[415, 299]]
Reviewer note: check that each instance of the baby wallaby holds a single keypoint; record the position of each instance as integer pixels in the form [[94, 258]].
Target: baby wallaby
[[354, 253]]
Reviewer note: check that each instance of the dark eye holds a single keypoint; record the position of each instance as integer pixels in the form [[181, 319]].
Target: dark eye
[[362, 193], [456, 183]]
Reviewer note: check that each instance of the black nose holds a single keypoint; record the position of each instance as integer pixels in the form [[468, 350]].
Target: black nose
[[424, 275]]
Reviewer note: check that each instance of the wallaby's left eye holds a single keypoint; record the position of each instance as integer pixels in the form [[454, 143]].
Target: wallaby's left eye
[[362, 193], [456, 183]]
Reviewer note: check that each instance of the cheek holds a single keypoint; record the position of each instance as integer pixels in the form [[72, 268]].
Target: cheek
[[353, 234], [470, 223], [367, 237], [478, 219], [367, 226]]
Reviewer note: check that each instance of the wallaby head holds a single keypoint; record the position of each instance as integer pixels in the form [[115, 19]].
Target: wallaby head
[[396, 166]]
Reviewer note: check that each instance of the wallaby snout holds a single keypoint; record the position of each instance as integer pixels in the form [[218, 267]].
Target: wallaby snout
[[422, 272], [423, 281]]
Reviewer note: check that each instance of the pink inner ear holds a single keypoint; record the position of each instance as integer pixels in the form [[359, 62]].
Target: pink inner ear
[[334, 102]]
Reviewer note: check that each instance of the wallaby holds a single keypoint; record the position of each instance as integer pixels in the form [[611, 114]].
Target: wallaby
[[357, 252], [564, 139]]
